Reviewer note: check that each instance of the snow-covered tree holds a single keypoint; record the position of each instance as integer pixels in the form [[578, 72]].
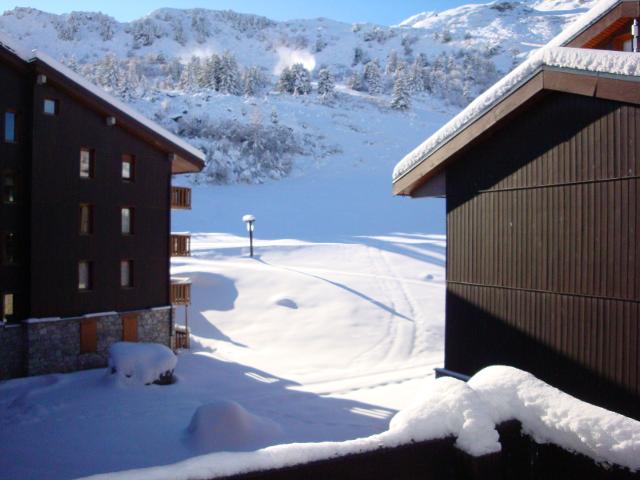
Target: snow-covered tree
[[301, 79], [326, 83], [144, 32], [200, 25], [392, 63], [285, 81], [356, 82], [372, 78], [107, 72], [359, 56], [229, 80], [401, 97], [274, 116], [191, 73], [253, 81]]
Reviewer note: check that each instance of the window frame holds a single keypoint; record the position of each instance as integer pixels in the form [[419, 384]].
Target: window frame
[[89, 283], [92, 163], [132, 216], [131, 160], [130, 277], [89, 208], [8, 316], [14, 113], [6, 174], [56, 106]]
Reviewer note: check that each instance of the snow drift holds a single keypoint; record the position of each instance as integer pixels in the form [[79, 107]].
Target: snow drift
[[449, 407], [227, 426]]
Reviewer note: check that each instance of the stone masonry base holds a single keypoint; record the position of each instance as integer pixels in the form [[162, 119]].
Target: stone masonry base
[[41, 346]]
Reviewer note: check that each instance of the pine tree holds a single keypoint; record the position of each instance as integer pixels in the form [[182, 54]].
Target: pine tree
[[274, 116], [356, 82], [229, 76], [401, 99], [190, 74], [253, 81], [301, 79], [372, 78], [285, 81], [326, 83], [392, 63]]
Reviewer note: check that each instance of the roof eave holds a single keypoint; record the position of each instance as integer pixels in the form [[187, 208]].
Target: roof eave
[[546, 79]]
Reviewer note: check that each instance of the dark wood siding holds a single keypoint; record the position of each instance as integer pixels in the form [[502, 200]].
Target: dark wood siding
[[15, 94], [543, 259], [57, 191]]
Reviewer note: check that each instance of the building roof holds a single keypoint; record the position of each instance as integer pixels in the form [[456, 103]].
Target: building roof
[[553, 56], [189, 158]]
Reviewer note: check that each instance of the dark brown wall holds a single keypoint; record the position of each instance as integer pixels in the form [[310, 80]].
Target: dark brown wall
[[57, 191], [543, 260], [15, 93]]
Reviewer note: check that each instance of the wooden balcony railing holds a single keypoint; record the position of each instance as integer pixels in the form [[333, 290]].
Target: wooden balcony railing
[[180, 245], [180, 291], [181, 198]]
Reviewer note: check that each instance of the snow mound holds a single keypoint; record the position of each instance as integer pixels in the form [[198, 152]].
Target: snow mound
[[449, 407], [285, 302], [226, 426], [142, 363], [552, 416]]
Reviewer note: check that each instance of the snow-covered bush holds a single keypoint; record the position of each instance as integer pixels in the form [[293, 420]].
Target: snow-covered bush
[[142, 363], [242, 153]]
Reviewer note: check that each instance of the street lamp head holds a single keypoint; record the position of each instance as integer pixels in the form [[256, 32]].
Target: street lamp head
[[249, 219]]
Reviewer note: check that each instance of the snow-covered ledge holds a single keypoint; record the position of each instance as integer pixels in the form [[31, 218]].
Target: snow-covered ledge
[[448, 407]]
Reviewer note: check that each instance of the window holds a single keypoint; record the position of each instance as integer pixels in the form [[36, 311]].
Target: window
[[87, 161], [126, 216], [85, 275], [9, 188], [50, 106], [9, 249], [128, 167], [86, 219], [7, 306], [10, 126], [126, 273]]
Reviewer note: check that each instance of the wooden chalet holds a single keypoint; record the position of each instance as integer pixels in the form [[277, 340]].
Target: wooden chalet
[[541, 177], [84, 220]]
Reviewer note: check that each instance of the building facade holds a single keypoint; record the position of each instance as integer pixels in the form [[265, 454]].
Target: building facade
[[543, 215], [85, 219]]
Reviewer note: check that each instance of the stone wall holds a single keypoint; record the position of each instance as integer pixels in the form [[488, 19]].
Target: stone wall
[[42, 346], [12, 351]]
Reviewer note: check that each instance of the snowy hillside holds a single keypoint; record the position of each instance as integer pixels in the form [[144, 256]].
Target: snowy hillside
[[214, 77]]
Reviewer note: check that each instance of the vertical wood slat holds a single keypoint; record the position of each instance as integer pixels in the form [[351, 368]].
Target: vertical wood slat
[[567, 243]]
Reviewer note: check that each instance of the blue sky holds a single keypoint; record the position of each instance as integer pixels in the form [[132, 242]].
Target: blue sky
[[383, 12]]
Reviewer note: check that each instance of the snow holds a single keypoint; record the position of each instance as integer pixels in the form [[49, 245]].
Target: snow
[[552, 416], [248, 218], [443, 408], [593, 61], [449, 407], [140, 363], [225, 425], [552, 55]]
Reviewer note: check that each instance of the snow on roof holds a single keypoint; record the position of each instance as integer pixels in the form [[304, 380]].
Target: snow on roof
[[552, 55], [30, 56], [447, 407]]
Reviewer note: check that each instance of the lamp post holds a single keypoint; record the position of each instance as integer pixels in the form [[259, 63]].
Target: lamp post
[[249, 221]]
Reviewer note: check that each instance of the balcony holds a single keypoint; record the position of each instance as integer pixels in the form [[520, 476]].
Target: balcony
[[181, 198], [180, 291], [180, 245]]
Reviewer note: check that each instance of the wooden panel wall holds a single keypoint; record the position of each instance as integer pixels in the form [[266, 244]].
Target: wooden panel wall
[[543, 259]]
